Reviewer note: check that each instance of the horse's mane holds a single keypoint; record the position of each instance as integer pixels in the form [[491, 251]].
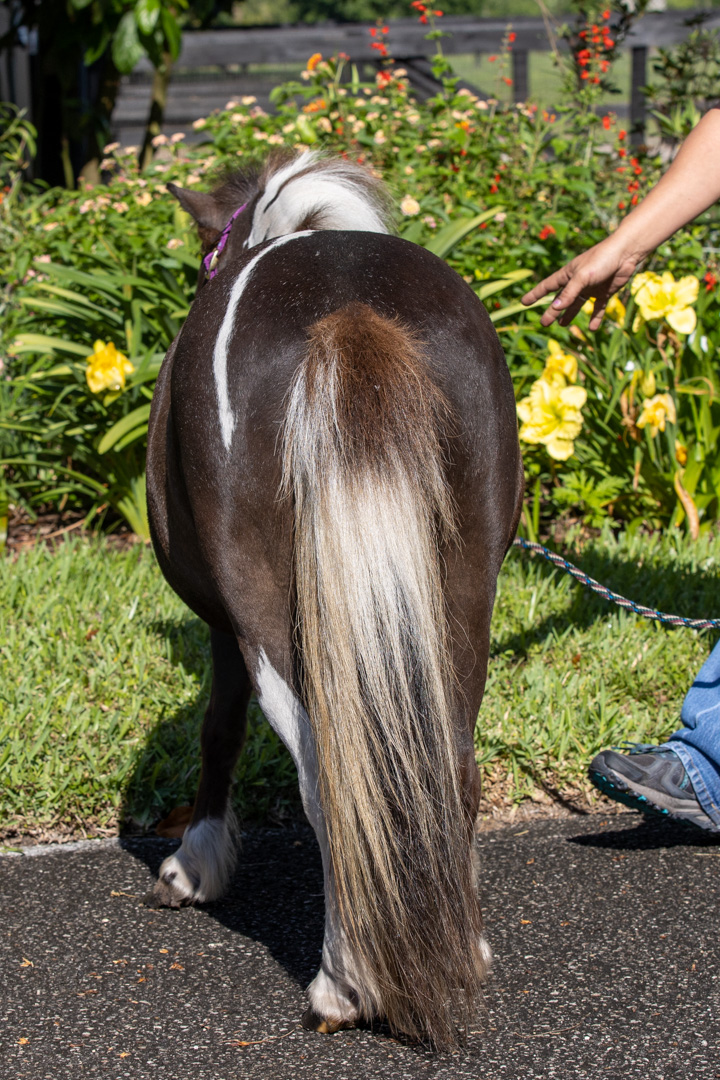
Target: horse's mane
[[307, 191]]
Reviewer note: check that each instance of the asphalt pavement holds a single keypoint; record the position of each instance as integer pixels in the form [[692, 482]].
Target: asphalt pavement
[[604, 931]]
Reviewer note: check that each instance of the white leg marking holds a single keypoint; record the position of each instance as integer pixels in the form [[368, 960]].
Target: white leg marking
[[227, 419], [288, 718], [339, 991], [200, 870], [485, 952]]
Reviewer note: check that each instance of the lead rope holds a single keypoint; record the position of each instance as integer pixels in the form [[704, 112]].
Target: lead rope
[[607, 594]]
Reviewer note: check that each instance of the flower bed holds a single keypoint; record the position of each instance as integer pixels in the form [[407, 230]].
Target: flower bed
[[620, 423]]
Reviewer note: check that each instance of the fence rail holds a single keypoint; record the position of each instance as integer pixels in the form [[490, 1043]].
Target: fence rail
[[226, 50]]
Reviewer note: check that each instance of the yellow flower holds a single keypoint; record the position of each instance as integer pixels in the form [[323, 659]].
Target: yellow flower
[[655, 412], [551, 415], [107, 368], [614, 309], [559, 363], [660, 296], [681, 453], [314, 61]]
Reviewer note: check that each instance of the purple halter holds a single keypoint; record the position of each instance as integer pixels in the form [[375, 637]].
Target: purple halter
[[211, 259]]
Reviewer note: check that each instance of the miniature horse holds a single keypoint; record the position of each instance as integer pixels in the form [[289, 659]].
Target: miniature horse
[[334, 478]]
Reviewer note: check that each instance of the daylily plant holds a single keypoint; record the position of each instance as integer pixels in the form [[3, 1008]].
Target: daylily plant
[[107, 368], [551, 413], [660, 296]]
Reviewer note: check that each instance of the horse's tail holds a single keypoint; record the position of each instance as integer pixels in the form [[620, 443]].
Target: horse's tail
[[363, 458]]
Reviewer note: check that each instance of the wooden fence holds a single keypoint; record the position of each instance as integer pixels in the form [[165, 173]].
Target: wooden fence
[[211, 67], [232, 50]]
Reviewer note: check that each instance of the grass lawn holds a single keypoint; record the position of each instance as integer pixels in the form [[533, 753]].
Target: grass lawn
[[544, 78], [104, 677]]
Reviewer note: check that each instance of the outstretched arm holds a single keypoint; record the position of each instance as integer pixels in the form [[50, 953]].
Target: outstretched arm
[[690, 185]]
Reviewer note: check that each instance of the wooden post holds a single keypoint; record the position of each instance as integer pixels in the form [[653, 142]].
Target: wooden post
[[520, 74], [637, 98]]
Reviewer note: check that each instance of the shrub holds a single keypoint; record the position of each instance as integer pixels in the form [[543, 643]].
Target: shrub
[[502, 191]]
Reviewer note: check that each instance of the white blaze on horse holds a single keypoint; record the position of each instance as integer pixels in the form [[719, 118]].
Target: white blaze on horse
[[334, 478]]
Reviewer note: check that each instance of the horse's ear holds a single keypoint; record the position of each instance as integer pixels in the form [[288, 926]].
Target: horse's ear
[[201, 206]]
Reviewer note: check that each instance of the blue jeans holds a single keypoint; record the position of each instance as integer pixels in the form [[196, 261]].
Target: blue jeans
[[697, 743]]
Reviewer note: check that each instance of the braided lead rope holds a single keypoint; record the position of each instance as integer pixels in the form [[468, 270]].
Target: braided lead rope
[[607, 594]]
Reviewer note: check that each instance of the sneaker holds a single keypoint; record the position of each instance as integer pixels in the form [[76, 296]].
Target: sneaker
[[651, 779]]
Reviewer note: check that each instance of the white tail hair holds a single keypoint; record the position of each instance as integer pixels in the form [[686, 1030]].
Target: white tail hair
[[363, 459]]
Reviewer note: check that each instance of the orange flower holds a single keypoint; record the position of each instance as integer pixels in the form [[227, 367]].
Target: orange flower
[[314, 61], [607, 122], [547, 230]]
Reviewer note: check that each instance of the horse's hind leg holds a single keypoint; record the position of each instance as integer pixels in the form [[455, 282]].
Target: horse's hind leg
[[202, 866]]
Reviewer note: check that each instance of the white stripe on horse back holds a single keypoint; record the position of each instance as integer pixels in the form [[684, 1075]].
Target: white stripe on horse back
[[227, 418]]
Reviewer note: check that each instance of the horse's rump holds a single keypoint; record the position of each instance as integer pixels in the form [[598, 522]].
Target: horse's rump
[[364, 438]]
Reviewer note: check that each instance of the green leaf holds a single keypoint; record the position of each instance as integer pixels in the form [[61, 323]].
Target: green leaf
[[126, 47], [492, 287], [58, 308], [147, 13], [513, 309], [43, 343], [173, 33], [133, 420], [444, 241]]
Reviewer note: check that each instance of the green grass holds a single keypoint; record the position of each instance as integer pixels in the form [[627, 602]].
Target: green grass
[[544, 78], [104, 676], [104, 679]]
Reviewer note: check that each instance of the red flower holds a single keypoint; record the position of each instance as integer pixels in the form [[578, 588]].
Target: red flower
[[607, 122], [511, 37], [423, 19], [621, 206], [622, 152], [621, 135], [547, 230], [710, 281], [507, 81], [492, 59], [606, 14]]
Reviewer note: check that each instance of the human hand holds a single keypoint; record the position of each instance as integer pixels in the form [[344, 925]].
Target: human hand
[[598, 272]]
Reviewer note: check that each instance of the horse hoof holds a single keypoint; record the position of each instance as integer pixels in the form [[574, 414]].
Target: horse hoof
[[163, 894], [312, 1021]]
